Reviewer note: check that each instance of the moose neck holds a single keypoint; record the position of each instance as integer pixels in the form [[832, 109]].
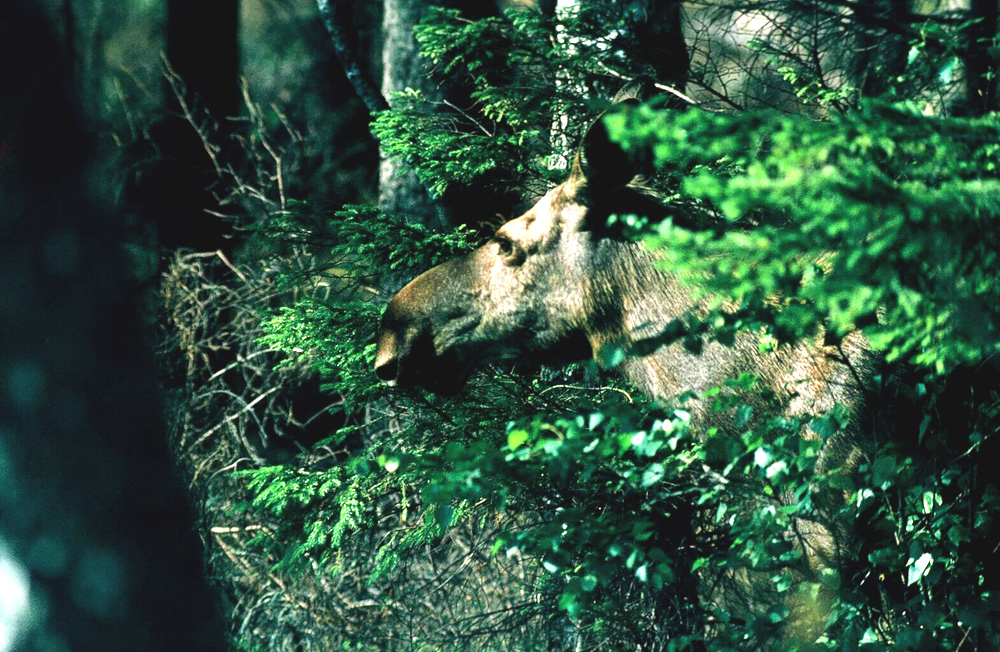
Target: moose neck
[[633, 302]]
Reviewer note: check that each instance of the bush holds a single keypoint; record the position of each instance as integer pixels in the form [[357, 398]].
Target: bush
[[541, 510]]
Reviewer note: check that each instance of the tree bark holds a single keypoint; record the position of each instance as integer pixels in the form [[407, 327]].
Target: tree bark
[[400, 191], [337, 25], [659, 41]]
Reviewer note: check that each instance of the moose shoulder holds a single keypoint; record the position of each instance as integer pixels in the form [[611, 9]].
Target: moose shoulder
[[553, 285]]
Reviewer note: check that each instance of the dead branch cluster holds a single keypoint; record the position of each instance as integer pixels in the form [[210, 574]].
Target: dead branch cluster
[[234, 405], [234, 408]]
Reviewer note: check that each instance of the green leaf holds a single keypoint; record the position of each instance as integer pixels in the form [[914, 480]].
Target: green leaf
[[653, 474], [919, 567], [443, 515], [516, 437]]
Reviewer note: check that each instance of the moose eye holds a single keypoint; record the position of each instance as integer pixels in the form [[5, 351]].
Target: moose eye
[[508, 250], [505, 247]]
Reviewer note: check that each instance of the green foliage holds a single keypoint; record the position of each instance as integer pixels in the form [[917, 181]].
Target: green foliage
[[443, 157], [880, 220], [362, 249], [522, 71], [942, 578], [651, 529], [486, 55], [446, 146], [315, 331]]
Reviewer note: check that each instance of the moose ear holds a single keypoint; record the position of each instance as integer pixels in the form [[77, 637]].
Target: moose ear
[[599, 167]]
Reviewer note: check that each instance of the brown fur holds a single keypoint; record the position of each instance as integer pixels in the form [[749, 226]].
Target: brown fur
[[553, 286]]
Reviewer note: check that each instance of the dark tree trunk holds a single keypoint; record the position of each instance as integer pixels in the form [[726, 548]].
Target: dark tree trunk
[[659, 41], [981, 61], [83, 25], [337, 18], [203, 47], [881, 53], [92, 511], [173, 191]]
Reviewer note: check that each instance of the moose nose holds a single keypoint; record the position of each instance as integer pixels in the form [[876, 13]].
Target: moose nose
[[387, 355], [386, 370]]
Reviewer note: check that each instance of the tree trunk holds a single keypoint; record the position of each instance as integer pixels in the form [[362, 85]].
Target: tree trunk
[[881, 57], [173, 192], [981, 60], [659, 47], [203, 48], [94, 522], [400, 192]]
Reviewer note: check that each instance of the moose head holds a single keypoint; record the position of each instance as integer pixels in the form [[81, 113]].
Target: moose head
[[551, 284]]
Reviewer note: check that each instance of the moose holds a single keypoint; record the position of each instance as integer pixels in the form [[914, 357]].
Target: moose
[[557, 285]]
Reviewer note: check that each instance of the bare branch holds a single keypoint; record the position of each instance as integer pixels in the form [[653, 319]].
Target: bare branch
[[204, 132], [333, 18]]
